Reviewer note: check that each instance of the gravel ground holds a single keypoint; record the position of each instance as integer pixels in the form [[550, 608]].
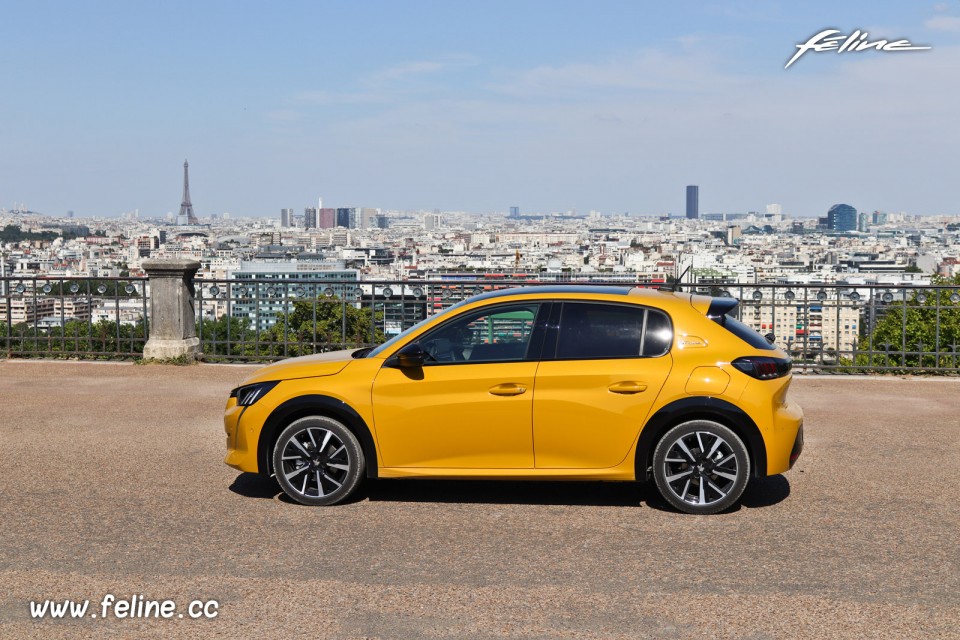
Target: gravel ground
[[113, 483]]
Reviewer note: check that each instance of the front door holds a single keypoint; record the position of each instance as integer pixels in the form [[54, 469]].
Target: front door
[[470, 406]]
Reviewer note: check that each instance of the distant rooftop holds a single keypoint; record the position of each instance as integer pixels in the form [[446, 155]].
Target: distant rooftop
[[293, 265]]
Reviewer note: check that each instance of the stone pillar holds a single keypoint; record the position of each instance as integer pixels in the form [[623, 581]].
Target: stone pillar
[[173, 321]]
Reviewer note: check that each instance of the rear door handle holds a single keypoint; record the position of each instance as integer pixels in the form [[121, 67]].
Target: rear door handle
[[627, 386], [508, 389]]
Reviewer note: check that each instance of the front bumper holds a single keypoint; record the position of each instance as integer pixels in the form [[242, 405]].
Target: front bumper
[[238, 451]]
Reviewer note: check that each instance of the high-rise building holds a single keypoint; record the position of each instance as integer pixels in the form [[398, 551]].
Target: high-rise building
[[693, 202], [514, 212], [432, 221], [345, 215], [328, 218], [286, 218], [279, 285], [805, 329], [842, 217], [733, 235], [368, 218], [311, 218], [774, 209]]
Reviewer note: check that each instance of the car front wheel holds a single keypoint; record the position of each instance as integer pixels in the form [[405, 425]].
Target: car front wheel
[[318, 461], [701, 467]]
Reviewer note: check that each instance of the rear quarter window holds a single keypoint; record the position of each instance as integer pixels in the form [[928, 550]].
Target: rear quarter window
[[745, 333]]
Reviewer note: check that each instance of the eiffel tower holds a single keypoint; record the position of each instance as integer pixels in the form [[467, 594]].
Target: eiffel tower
[[186, 209]]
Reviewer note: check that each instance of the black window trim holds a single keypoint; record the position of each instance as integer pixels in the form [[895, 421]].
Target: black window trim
[[550, 351], [534, 346]]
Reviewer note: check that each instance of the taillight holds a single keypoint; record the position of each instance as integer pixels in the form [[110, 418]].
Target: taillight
[[762, 367]]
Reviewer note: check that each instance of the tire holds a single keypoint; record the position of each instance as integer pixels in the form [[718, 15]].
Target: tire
[[318, 461], [701, 467]]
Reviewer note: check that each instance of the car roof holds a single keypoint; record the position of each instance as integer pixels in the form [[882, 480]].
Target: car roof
[[548, 290], [630, 294]]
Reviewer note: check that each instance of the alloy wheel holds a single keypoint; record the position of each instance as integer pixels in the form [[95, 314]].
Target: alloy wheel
[[701, 468], [314, 462], [318, 461]]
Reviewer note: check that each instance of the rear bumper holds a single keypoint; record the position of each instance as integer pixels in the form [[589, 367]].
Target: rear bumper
[[785, 441], [797, 446]]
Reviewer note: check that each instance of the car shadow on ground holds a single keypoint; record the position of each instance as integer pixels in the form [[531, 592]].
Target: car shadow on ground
[[760, 492]]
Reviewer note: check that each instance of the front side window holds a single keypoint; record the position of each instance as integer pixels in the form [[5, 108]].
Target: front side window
[[501, 334], [596, 330]]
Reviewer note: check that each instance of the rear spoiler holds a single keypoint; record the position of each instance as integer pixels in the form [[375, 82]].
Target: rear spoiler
[[720, 307]]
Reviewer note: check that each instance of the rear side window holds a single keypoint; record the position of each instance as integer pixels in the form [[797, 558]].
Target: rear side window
[[658, 334], [596, 330]]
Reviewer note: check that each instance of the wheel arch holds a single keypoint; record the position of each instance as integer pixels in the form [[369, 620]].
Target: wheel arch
[[700, 408], [314, 405]]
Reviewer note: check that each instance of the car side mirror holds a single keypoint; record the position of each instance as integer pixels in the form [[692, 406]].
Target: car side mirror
[[770, 338], [409, 357]]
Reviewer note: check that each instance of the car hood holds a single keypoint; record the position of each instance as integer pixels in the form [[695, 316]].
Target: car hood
[[319, 364]]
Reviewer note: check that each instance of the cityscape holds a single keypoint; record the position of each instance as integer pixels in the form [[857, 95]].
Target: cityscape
[[370, 245]]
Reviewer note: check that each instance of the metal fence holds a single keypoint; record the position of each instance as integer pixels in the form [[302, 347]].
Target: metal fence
[[825, 328], [61, 317], [854, 328], [269, 319]]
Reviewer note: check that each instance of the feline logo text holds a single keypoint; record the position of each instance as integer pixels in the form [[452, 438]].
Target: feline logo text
[[856, 41]]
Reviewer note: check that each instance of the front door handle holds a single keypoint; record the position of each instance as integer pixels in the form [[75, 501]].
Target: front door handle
[[627, 386], [508, 389]]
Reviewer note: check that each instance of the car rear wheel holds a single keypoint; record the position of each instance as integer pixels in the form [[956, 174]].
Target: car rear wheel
[[701, 467], [318, 461]]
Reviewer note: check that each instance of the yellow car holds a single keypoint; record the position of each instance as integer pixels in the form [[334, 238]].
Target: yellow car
[[549, 382]]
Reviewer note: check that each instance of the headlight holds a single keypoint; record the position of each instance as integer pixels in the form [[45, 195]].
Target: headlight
[[250, 393]]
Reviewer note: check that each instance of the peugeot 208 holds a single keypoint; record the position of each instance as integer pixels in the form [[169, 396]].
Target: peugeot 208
[[550, 382]]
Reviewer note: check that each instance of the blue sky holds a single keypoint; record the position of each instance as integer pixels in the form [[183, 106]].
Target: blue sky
[[548, 105]]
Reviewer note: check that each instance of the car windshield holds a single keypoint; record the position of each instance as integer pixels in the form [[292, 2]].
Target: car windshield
[[403, 335]]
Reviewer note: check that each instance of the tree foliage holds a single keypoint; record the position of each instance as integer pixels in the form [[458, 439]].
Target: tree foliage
[[905, 331], [13, 233], [75, 339], [312, 326]]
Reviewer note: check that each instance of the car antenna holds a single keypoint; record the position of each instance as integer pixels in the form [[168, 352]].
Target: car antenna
[[674, 286]]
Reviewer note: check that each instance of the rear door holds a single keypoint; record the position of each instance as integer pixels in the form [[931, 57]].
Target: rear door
[[603, 367]]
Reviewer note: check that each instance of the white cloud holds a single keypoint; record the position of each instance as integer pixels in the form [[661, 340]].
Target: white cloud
[[943, 23], [284, 115], [645, 70], [323, 98], [419, 68], [401, 71]]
